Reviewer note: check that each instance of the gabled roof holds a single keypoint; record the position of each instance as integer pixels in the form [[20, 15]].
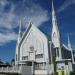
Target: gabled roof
[[27, 30], [48, 37]]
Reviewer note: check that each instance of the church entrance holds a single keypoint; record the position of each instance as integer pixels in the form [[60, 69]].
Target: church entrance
[[31, 56]]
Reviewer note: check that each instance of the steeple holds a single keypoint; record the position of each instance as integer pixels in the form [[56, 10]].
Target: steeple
[[54, 20], [19, 34], [17, 45], [55, 32], [69, 43], [70, 48]]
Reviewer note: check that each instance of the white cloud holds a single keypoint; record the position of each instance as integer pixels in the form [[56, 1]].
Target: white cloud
[[7, 18], [10, 19], [34, 13], [7, 37], [37, 18], [3, 2], [65, 5]]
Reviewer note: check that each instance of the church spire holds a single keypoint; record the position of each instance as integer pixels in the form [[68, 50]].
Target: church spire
[[17, 45], [19, 33], [55, 32], [69, 43], [54, 20], [70, 48]]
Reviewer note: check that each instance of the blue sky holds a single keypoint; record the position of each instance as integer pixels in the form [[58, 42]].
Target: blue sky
[[37, 11]]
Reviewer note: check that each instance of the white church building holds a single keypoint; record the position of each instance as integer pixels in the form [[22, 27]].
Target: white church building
[[34, 48]]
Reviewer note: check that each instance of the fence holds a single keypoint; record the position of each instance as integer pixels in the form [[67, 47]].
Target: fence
[[13, 69]]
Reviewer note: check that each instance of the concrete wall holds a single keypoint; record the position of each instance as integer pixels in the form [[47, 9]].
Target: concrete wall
[[39, 43], [40, 72], [26, 70]]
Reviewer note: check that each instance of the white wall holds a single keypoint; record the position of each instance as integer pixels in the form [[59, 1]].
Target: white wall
[[36, 39]]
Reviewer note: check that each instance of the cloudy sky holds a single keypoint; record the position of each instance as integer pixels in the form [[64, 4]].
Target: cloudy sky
[[39, 13]]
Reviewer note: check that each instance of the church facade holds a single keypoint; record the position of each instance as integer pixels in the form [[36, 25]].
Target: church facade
[[35, 47]]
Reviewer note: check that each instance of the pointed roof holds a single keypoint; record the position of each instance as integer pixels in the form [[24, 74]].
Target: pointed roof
[[55, 29], [70, 48], [28, 29], [54, 20], [19, 33], [69, 43]]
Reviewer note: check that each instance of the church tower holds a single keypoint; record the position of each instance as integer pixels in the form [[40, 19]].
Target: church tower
[[17, 45], [55, 34]]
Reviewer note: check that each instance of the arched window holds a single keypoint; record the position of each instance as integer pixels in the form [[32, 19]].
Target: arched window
[[54, 36]]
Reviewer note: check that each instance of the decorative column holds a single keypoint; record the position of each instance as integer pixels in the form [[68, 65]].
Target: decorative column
[[33, 68], [47, 65]]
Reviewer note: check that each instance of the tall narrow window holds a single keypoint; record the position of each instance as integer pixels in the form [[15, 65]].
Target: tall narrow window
[[57, 52], [16, 57], [39, 56], [25, 58]]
